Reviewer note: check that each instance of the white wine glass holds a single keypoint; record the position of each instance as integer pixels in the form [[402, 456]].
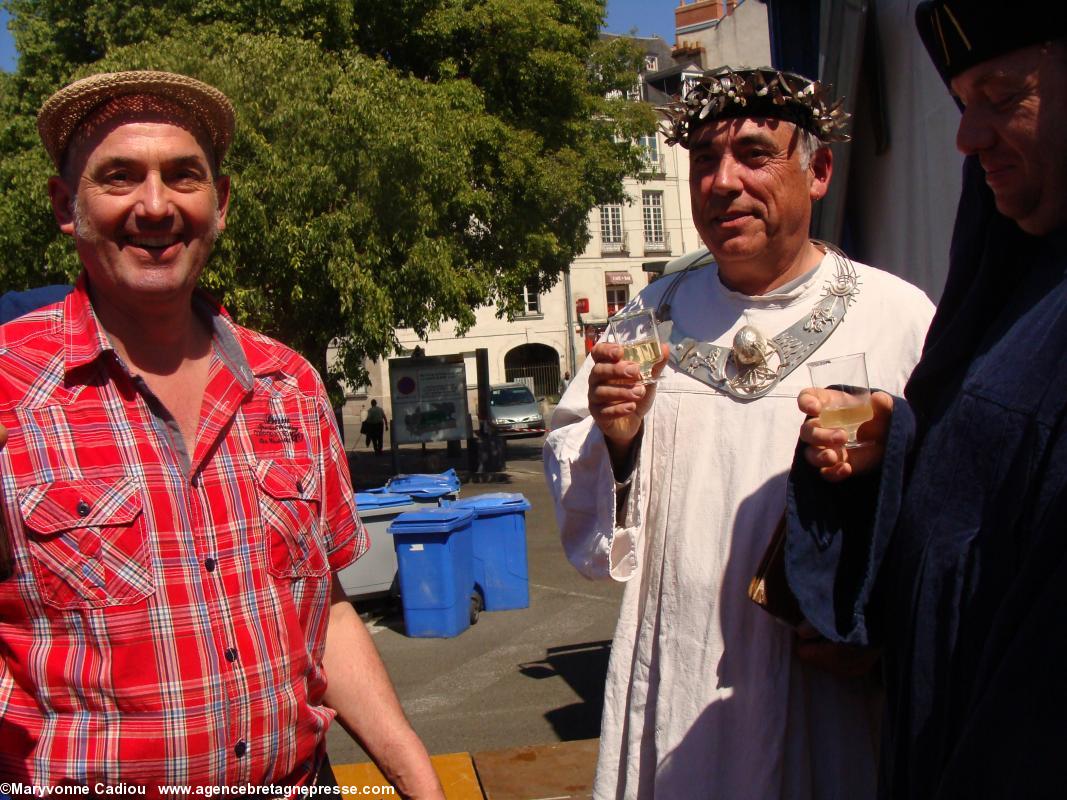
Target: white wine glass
[[851, 403], [636, 332]]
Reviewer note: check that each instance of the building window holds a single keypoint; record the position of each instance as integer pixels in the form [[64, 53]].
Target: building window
[[612, 237], [531, 300], [634, 92], [651, 63], [618, 297], [652, 209], [656, 239], [649, 152]]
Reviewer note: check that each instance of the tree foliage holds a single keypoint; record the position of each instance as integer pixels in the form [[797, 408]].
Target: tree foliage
[[396, 164]]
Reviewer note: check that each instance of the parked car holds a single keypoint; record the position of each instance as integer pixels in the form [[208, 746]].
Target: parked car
[[514, 411]]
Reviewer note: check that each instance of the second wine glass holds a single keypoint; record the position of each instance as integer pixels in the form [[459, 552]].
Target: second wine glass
[[851, 406]]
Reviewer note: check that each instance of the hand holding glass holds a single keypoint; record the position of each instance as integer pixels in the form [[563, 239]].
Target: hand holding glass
[[636, 332], [851, 406]]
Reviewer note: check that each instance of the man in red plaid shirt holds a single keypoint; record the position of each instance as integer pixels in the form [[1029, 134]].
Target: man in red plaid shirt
[[176, 499]]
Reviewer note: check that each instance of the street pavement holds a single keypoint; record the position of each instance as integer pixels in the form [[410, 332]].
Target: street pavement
[[526, 677]]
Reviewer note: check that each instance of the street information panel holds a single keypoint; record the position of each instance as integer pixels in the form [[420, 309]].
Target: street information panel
[[429, 399]]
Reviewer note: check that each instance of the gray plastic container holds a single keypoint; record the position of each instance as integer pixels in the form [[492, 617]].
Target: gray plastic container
[[374, 573]]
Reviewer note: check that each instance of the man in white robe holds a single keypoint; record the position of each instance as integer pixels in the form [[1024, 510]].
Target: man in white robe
[[677, 487]]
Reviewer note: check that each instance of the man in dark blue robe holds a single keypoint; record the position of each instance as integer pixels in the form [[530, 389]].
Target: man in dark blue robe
[[15, 304], [945, 542]]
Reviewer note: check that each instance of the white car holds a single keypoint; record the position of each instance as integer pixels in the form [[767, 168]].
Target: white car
[[514, 411]]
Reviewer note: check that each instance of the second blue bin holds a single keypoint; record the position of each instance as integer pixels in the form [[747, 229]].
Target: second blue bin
[[434, 560], [499, 544]]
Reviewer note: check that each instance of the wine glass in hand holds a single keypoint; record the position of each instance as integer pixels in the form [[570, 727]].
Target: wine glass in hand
[[636, 332], [851, 403]]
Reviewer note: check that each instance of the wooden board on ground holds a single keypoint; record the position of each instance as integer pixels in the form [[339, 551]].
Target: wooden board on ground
[[455, 771], [562, 771]]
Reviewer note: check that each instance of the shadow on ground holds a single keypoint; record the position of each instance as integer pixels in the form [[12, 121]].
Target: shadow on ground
[[385, 612], [584, 668]]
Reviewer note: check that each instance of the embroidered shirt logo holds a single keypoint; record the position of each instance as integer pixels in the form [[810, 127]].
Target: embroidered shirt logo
[[277, 429]]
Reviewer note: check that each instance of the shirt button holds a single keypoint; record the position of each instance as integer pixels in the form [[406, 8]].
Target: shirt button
[[240, 748], [299, 487], [83, 508], [231, 656], [209, 564], [196, 481]]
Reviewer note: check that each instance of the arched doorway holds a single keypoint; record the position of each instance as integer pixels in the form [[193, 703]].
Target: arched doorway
[[537, 361]]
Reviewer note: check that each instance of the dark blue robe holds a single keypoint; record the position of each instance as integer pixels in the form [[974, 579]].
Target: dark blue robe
[[954, 557], [15, 304]]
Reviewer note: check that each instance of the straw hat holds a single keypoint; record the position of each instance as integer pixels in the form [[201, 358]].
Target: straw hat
[[64, 111]]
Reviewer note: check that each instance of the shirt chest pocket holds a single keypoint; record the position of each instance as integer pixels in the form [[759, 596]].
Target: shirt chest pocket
[[289, 506], [87, 543]]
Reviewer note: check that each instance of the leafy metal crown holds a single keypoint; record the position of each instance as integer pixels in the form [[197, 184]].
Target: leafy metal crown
[[762, 92]]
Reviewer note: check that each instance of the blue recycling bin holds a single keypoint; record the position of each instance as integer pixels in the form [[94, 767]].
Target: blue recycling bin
[[373, 574], [434, 556], [426, 487], [499, 536]]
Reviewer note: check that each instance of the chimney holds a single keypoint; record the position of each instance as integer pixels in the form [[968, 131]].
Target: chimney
[[691, 12]]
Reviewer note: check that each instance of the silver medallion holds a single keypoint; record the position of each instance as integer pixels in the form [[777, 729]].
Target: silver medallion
[[754, 364]]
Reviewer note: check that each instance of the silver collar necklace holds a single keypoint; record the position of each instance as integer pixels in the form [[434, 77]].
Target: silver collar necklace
[[756, 364]]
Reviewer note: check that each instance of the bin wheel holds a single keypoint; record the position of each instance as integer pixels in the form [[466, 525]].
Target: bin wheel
[[476, 606]]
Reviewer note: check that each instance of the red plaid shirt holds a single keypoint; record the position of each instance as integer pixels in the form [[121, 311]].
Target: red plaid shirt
[[166, 617]]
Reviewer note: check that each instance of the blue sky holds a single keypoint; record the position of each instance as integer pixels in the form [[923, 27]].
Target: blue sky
[[7, 47], [648, 17]]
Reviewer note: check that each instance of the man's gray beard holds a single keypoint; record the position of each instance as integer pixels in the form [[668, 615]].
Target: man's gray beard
[[84, 230]]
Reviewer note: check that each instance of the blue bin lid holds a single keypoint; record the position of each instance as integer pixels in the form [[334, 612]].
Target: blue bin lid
[[492, 503], [432, 520], [366, 501], [425, 484], [427, 492]]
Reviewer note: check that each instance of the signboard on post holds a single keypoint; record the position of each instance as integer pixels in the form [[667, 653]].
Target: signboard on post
[[429, 399]]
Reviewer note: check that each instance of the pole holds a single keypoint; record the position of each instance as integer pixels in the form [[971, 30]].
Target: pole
[[571, 355]]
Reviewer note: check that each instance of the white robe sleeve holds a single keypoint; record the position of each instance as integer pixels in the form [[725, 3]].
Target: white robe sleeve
[[580, 478]]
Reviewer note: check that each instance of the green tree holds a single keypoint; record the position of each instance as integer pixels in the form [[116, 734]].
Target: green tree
[[395, 165]]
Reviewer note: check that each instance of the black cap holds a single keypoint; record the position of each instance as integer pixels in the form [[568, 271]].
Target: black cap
[[961, 33]]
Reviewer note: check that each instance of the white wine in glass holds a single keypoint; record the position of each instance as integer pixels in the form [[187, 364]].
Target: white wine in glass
[[851, 407], [637, 334]]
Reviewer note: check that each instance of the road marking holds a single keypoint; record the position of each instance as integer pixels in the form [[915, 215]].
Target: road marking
[[583, 595], [525, 472], [375, 626]]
